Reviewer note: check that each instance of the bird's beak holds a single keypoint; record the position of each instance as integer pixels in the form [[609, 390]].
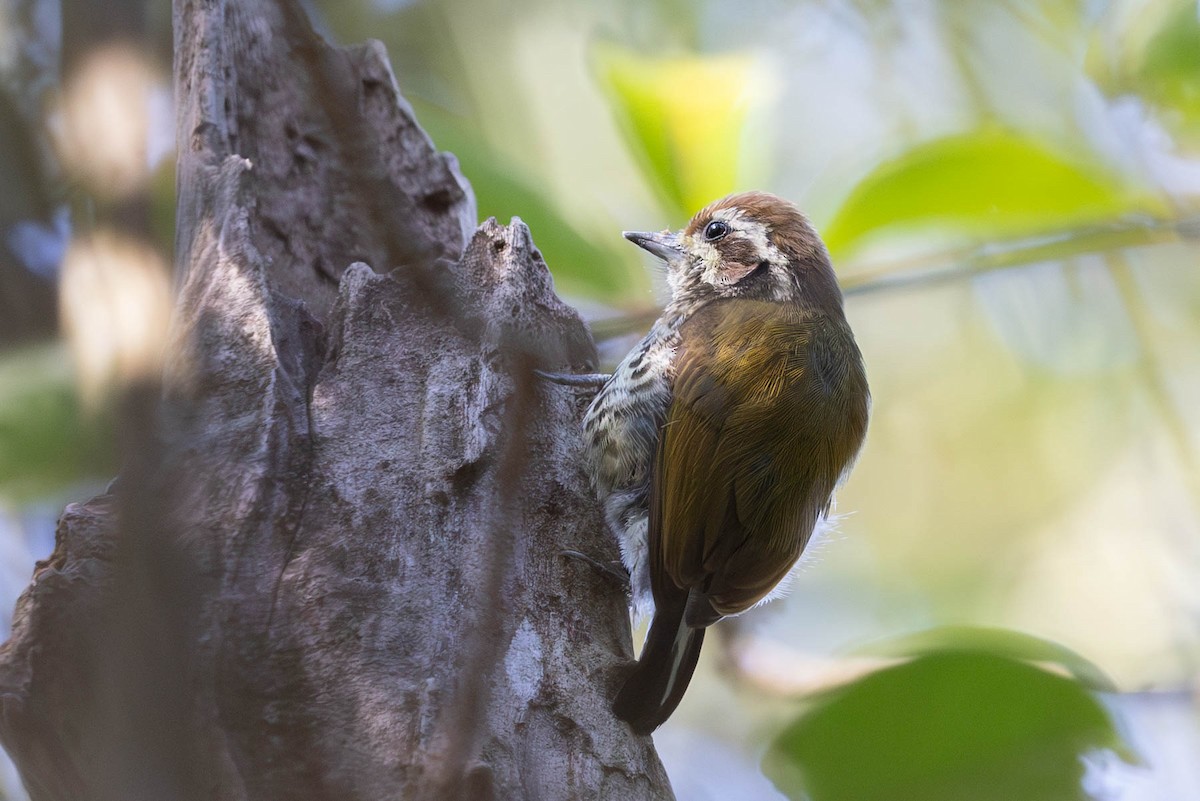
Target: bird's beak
[[665, 245]]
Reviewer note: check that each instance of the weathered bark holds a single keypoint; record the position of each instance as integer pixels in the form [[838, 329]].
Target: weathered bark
[[330, 568]]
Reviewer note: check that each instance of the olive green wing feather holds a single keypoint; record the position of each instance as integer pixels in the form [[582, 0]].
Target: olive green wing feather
[[748, 427]]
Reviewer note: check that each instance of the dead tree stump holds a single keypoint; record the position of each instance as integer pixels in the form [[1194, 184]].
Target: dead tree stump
[[330, 568]]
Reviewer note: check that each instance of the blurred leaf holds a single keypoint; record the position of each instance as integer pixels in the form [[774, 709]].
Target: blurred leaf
[[579, 266], [1169, 72], [686, 118], [956, 726], [1001, 642], [987, 183], [46, 440]]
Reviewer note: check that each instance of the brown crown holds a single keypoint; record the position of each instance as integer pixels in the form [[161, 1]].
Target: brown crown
[[788, 228]]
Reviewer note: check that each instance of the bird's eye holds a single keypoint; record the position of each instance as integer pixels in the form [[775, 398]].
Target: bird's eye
[[715, 230]]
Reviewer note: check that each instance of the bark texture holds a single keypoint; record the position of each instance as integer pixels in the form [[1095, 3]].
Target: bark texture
[[330, 567]]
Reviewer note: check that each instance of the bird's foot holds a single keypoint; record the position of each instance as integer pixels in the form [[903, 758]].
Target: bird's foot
[[613, 571], [584, 380]]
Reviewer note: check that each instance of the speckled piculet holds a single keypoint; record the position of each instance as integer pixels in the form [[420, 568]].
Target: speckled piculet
[[718, 442]]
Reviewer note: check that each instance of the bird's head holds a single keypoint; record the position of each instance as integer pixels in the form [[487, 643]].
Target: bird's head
[[752, 245]]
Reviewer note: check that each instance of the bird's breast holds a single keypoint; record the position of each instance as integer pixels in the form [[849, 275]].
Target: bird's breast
[[622, 424]]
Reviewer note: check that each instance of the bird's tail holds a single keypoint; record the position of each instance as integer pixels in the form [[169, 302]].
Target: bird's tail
[[663, 671]]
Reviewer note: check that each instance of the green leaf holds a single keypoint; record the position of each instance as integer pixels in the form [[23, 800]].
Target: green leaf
[[687, 118], [989, 183], [1001, 642], [47, 441], [1169, 72], [1156, 58], [952, 726]]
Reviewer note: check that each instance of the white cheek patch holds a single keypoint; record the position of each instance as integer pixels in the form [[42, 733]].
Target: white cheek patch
[[756, 233], [708, 258]]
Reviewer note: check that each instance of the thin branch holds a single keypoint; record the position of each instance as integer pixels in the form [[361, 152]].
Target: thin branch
[[953, 265]]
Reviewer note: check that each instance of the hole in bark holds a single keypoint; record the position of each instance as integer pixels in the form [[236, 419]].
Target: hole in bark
[[439, 200], [466, 475], [303, 162], [480, 784]]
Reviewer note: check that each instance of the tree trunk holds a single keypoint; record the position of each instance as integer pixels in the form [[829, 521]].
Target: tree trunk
[[331, 565]]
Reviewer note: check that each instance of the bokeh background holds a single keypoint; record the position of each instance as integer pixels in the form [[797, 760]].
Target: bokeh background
[[1011, 193]]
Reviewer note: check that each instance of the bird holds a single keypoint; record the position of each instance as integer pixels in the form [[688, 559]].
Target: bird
[[716, 445]]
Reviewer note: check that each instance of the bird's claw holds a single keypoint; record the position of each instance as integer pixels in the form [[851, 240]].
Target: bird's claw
[[616, 574]]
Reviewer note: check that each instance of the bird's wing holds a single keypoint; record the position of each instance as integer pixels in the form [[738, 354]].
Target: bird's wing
[[746, 461]]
